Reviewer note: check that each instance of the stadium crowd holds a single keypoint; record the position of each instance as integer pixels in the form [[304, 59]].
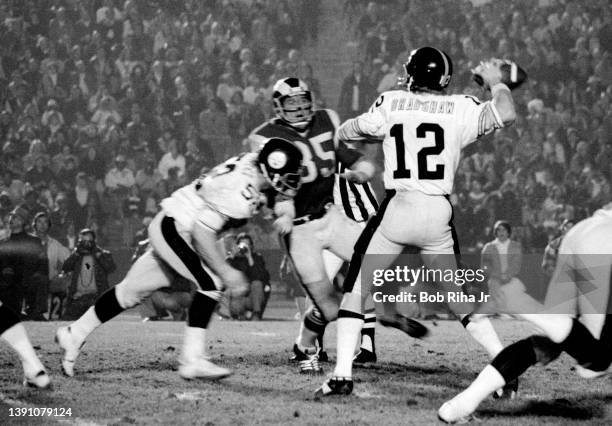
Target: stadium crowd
[[107, 106], [555, 162]]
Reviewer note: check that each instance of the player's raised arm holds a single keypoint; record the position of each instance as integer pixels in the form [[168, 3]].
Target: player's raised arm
[[369, 125], [503, 104]]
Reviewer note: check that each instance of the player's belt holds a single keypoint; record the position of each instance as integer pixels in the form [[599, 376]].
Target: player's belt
[[313, 216]]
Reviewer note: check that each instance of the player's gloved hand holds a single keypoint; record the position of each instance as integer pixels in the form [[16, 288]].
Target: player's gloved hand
[[488, 73], [283, 224], [236, 282]]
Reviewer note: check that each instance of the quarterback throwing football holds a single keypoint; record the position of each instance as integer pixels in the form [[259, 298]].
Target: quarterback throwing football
[[423, 131]]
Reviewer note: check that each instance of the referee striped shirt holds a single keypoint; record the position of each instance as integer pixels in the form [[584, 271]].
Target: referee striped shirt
[[357, 200]]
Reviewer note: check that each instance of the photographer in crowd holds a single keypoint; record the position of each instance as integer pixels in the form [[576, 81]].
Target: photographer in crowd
[[90, 266], [56, 255], [245, 259], [23, 269]]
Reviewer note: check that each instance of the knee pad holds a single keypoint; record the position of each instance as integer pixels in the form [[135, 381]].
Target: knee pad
[[546, 350]]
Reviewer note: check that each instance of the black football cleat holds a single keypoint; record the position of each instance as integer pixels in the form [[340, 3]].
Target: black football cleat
[[298, 355], [409, 326], [509, 391], [364, 359], [335, 386]]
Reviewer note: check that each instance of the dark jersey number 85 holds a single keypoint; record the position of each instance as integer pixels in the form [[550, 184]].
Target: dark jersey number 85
[[397, 131]]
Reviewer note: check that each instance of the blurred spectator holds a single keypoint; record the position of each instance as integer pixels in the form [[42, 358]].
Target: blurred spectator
[[356, 94], [60, 217], [171, 159], [30, 206], [90, 266], [148, 177], [82, 202], [118, 182], [23, 269], [56, 255], [214, 127], [501, 260]]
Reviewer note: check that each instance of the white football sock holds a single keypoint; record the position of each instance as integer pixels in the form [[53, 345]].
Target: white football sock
[[194, 343], [348, 336], [483, 332], [17, 338], [487, 382], [83, 327]]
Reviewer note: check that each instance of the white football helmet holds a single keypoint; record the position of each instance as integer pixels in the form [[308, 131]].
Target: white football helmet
[[293, 102]]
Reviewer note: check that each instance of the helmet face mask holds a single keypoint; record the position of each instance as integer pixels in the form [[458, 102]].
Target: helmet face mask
[[281, 164], [293, 102], [287, 184]]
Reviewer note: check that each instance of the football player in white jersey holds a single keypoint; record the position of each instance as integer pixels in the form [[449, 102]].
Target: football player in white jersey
[[183, 239], [576, 318], [423, 131]]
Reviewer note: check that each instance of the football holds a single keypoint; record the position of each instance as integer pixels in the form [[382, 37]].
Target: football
[[513, 75]]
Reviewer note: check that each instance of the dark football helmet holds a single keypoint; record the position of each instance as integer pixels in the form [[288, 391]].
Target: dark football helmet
[[428, 68], [281, 164], [293, 102]]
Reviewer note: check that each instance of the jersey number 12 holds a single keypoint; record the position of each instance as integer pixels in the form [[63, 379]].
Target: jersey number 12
[[397, 131]]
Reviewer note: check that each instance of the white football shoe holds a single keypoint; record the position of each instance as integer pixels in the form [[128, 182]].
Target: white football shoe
[[71, 348], [201, 368], [453, 412], [38, 380]]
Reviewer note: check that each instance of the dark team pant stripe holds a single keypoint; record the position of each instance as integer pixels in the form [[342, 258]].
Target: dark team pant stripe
[[362, 243], [349, 314], [201, 310], [189, 257]]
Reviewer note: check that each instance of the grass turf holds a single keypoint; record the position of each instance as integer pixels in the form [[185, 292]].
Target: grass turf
[[126, 374]]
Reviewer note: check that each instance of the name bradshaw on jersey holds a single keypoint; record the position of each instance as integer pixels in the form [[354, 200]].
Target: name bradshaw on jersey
[[320, 150], [230, 190], [423, 135]]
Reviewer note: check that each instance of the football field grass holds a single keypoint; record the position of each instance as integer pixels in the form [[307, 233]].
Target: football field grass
[[127, 375]]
